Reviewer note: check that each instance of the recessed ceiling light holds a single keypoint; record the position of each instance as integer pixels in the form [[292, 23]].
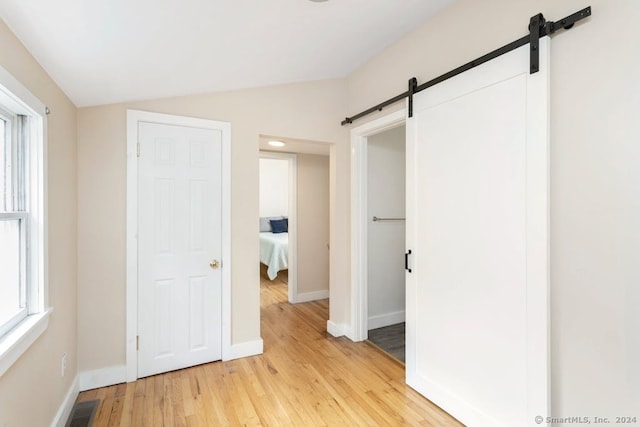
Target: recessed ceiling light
[[277, 143], [317, 1]]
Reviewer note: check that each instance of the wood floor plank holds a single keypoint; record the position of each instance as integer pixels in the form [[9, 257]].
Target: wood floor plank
[[115, 416], [179, 419], [126, 418], [143, 404], [167, 403], [104, 409], [158, 400], [304, 378]]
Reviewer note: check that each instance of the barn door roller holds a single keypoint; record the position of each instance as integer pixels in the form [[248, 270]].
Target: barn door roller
[[538, 27]]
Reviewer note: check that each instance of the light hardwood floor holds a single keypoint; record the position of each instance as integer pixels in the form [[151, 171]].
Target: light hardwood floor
[[304, 378]]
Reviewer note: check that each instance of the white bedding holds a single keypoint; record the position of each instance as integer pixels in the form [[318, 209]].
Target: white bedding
[[274, 252]]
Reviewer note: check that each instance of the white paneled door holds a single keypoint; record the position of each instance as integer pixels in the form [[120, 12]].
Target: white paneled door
[[179, 247], [477, 226]]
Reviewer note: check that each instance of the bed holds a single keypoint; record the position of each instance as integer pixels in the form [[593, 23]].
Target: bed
[[274, 252]]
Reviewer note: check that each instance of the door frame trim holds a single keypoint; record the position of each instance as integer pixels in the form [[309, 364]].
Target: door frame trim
[[359, 219], [133, 118], [292, 160]]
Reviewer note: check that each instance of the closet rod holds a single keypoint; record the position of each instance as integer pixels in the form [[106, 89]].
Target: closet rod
[[538, 27], [376, 219]]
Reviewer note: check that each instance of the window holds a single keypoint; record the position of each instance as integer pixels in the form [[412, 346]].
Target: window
[[13, 224], [23, 305]]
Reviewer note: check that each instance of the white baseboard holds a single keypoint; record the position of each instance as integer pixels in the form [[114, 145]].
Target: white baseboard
[[246, 349], [103, 377], [383, 320], [118, 374], [67, 404], [312, 296], [337, 330]]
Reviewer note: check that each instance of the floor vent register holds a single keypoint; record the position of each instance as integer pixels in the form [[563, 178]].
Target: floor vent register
[[83, 413]]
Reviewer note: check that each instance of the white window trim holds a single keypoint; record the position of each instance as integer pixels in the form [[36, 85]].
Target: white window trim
[[16, 342], [18, 99]]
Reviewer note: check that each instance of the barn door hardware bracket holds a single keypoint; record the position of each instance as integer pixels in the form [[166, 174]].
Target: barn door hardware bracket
[[413, 84], [536, 23], [538, 28], [544, 28]]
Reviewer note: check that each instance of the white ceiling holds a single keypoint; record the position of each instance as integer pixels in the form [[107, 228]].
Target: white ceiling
[[106, 51]]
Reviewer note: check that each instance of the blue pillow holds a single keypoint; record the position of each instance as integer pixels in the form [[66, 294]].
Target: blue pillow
[[264, 222], [279, 226]]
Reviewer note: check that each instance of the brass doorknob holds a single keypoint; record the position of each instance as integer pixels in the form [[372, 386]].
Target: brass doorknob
[[214, 264]]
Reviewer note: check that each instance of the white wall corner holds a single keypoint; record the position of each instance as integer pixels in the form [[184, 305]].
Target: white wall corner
[[387, 319], [103, 377], [312, 296], [64, 411], [245, 349]]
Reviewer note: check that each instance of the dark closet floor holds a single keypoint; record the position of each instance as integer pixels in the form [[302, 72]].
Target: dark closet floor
[[390, 339]]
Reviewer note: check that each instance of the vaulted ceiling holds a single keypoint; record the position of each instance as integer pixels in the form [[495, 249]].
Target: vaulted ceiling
[[106, 51]]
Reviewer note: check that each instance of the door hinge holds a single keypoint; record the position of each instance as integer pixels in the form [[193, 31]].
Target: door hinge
[[137, 342], [138, 150]]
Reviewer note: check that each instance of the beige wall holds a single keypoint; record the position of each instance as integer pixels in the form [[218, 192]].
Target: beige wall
[[34, 381], [313, 223], [310, 111], [595, 195]]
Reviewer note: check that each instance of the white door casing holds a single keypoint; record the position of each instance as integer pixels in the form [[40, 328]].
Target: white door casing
[[478, 228], [178, 305], [358, 330]]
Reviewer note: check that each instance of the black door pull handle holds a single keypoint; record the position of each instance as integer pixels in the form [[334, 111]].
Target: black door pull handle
[[406, 260]]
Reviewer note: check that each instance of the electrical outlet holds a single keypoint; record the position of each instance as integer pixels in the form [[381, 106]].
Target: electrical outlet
[[63, 365]]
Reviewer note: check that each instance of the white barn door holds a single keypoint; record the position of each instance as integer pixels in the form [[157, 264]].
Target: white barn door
[[477, 226], [179, 247]]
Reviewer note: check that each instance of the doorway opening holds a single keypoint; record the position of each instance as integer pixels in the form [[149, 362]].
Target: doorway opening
[[278, 220], [295, 199], [386, 200], [378, 167]]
